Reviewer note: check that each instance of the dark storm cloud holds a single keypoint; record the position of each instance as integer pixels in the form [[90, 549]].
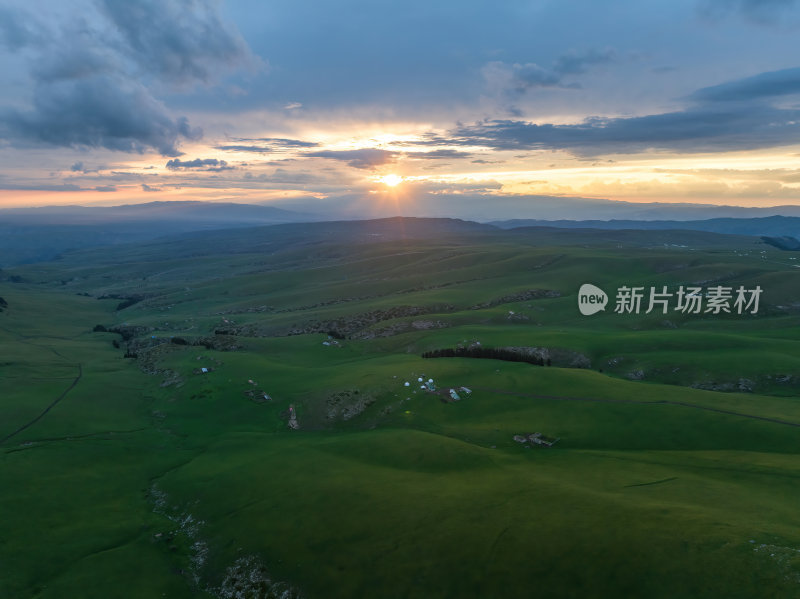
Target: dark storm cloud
[[205, 164], [92, 75], [362, 158], [101, 111], [182, 41]]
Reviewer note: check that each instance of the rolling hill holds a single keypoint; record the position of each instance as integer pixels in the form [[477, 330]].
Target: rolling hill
[[151, 391]]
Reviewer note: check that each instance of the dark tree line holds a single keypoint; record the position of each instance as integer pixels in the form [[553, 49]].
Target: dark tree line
[[128, 303], [488, 353], [128, 300]]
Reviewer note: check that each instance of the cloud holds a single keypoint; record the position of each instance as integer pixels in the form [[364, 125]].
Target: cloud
[[684, 131], [576, 63], [282, 142], [517, 78], [93, 74], [17, 29], [41, 187], [273, 144], [205, 164], [735, 115], [366, 158], [764, 85], [362, 158], [106, 188], [438, 154], [242, 148], [781, 175], [80, 167], [181, 41], [149, 188], [528, 75], [105, 111]]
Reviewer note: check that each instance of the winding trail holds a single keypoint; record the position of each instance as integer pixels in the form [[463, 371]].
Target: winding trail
[[48, 408]]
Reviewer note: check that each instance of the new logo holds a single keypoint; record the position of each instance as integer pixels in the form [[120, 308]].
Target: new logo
[[591, 299]]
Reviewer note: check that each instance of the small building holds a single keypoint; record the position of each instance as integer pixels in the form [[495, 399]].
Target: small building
[[454, 395]]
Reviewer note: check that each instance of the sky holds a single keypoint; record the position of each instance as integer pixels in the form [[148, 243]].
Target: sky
[[460, 108]]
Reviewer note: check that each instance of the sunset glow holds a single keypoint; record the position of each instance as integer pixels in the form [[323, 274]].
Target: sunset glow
[[536, 109], [391, 180]]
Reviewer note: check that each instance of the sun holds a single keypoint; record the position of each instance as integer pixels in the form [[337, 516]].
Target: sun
[[391, 180]]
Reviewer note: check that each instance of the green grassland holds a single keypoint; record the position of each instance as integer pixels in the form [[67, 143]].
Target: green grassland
[[676, 472]]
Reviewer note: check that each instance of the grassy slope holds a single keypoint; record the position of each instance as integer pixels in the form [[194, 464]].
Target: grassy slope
[[414, 497]]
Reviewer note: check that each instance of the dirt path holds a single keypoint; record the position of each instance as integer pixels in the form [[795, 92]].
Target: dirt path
[[48, 408], [641, 402]]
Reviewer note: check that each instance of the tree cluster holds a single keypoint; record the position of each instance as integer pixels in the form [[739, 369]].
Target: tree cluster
[[488, 353]]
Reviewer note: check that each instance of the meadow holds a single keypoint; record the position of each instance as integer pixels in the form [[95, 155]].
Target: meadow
[[676, 471]]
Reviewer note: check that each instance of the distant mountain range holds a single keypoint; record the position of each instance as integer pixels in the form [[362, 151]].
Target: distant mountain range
[[299, 242], [491, 208], [192, 214], [41, 234], [771, 226]]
